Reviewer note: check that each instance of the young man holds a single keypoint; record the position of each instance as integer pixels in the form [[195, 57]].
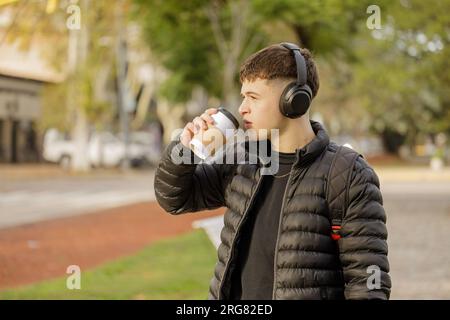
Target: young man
[[277, 240]]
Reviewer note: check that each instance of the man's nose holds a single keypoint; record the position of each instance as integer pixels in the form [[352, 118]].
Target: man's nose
[[243, 109]]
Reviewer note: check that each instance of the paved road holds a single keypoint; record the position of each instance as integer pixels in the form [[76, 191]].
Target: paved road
[[26, 201], [419, 238]]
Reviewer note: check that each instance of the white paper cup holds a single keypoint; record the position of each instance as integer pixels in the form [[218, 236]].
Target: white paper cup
[[205, 143]]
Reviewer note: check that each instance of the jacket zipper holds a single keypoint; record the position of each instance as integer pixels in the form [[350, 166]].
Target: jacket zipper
[[278, 238], [219, 295]]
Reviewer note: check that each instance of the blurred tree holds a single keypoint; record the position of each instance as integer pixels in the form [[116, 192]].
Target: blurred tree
[[401, 78], [323, 26], [394, 73], [85, 54], [201, 43]]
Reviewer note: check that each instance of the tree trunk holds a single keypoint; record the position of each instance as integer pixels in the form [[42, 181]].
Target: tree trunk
[[80, 161], [231, 98], [230, 45], [171, 118]]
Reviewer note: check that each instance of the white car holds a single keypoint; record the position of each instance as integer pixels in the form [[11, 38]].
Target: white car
[[150, 143], [57, 148], [104, 149]]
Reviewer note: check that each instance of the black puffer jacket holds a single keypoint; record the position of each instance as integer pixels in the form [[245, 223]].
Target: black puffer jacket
[[309, 264]]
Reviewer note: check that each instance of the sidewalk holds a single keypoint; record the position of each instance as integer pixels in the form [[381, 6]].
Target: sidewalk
[[36, 171], [18, 172], [27, 198], [411, 174]]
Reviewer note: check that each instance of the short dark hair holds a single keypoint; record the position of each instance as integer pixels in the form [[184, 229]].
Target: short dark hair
[[275, 62]]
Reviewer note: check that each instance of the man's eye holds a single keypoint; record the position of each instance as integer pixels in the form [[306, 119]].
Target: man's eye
[[249, 97]]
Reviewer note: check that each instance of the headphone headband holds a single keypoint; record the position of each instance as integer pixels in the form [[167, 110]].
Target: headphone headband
[[296, 97], [299, 61]]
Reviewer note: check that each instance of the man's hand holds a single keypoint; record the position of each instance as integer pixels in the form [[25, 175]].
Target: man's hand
[[199, 123]]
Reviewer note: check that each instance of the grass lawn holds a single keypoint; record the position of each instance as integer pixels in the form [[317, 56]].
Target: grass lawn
[[177, 268]]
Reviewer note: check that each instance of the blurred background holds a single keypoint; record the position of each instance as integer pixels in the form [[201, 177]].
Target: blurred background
[[91, 91]]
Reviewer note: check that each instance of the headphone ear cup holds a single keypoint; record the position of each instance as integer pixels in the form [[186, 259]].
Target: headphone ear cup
[[285, 98], [295, 100], [308, 91]]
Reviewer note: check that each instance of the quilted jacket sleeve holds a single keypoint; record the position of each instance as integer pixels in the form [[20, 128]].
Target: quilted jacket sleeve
[[363, 244], [188, 186]]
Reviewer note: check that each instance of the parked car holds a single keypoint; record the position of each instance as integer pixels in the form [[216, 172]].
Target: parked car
[[150, 143], [104, 150], [58, 148]]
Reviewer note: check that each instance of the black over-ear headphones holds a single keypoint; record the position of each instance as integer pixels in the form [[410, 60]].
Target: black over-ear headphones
[[297, 96]]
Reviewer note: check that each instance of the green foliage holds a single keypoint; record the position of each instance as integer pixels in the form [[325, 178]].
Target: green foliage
[[401, 78], [323, 26], [182, 38], [398, 75], [179, 35], [55, 112], [54, 108]]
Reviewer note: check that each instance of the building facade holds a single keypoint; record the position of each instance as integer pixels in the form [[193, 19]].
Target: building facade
[[20, 108]]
